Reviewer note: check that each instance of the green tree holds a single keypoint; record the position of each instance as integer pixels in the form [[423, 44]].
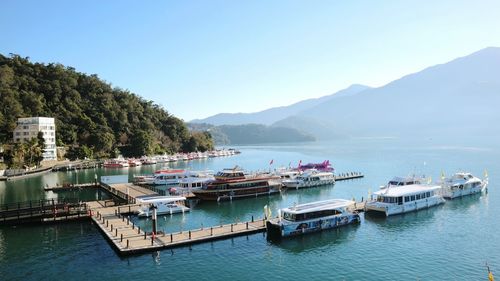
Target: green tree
[[141, 143]]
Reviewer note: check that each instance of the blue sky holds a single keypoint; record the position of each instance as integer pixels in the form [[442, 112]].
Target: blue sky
[[199, 58]]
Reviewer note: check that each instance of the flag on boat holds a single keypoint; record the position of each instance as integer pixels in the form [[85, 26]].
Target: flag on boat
[[490, 275], [300, 162], [485, 173], [442, 175], [272, 161]]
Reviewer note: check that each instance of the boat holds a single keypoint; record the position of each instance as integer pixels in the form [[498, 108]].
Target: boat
[[134, 162], [161, 177], [402, 181], [462, 184], [234, 184], [324, 166], [164, 205], [148, 161], [310, 178], [312, 217], [395, 200], [115, 163], [194, 181]]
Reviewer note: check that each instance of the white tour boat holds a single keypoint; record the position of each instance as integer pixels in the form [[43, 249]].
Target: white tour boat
[[406, 198], [310, 178], [462, 184], [312, 217], [194, 181], [400, 181], [165, 205]]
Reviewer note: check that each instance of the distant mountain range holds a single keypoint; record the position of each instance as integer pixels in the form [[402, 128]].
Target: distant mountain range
[[269, 116], [458, 98], [250, 134]]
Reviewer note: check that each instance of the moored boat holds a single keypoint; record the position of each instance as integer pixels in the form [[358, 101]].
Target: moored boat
[[134, 162], [462, 184], [324, 166], [407, 198], [312, 217], [234, 184], [164, 205], [310, 178], [116, 163]]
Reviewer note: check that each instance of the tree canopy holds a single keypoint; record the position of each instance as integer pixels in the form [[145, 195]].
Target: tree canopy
[[88, 111]]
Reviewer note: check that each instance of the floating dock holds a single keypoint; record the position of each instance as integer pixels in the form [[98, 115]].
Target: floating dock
[[40, 211], [348, 176], [127, 239]]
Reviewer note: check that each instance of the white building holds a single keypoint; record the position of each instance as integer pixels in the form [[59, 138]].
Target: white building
[[28, 128]]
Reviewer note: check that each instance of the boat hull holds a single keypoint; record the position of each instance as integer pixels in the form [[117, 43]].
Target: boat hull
[[277, 230], [301, 184], [451, 193], [393, 209], [164, 211], [239, 193]]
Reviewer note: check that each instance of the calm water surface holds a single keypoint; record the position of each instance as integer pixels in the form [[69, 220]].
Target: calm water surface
[[452, 241]]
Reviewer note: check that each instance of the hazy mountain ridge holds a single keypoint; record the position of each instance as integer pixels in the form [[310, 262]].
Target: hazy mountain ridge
[[444, 99], [250, 134], [454, 98], [271, 115]]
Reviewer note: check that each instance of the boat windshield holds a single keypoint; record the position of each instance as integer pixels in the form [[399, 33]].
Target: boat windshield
[[310, 215]]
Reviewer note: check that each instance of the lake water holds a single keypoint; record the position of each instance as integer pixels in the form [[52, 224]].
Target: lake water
[[451, 241]]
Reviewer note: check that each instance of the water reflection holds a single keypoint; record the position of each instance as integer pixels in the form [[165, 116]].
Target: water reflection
[[312, 241]]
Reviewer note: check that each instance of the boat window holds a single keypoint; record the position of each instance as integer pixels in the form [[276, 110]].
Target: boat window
[[412, 198], [428, 194], [407, 198], [400, 200]]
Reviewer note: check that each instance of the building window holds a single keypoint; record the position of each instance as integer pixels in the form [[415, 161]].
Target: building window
[[25, 127], [18, 133]]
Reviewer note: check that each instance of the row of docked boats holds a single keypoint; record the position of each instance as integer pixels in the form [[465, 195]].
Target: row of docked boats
[[233, 183], [134, 162], [400, 195]]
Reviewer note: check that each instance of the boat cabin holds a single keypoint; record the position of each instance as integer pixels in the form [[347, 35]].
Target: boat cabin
[[316, 210], [230, 174], [407, 194]]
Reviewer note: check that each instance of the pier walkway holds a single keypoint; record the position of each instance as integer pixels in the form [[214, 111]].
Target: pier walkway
[[127, 238], [348, 176], [42, 211]]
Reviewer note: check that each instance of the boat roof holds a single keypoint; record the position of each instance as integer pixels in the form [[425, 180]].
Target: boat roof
[[160, 199], [319, 206], [310, 173], [406, 190]]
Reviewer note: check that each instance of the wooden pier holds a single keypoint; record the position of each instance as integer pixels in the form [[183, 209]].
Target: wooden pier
[[70, 186], [78, 165], [42, 211], [127, 239], [348, 176]]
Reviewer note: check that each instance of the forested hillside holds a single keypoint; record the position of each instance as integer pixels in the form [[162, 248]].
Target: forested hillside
[[92, 117], [251, 134]]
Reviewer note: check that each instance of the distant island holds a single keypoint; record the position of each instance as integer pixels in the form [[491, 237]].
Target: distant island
[[93, 119], [251, 134]]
